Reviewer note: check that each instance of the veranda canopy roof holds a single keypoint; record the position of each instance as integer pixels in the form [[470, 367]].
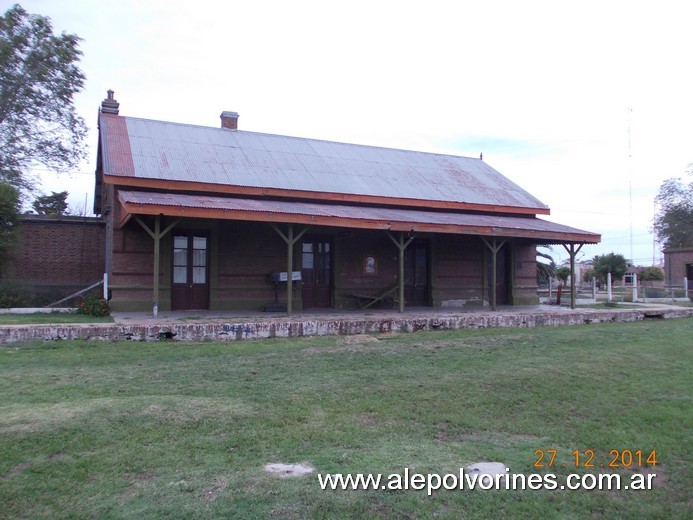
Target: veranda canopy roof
[[363, 217]]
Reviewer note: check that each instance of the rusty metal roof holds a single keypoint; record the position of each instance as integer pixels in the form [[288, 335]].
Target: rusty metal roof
[[367, 217], [164, 151]]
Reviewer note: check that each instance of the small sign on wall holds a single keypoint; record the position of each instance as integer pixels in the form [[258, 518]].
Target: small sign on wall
[[284, 277], [370, 265]]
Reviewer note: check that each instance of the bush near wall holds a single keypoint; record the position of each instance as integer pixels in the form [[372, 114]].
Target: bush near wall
[[93, 305], [14, 294]]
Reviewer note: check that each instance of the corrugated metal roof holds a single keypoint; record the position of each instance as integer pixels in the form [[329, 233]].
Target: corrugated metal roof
[[535, 228], [166, 151]]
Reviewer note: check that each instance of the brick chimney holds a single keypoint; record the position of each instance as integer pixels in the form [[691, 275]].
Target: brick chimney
[[229, 120], [110, 105]]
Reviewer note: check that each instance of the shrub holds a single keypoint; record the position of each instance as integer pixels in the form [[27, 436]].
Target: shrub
[[44, 298], [93, 305], [13, 296], [652, 274]]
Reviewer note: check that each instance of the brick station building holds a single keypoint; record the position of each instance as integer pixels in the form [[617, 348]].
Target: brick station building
[[203, 218]]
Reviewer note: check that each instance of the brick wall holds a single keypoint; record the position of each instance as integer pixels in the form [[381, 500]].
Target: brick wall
[[675, 265], [458, 270], [524, 291], [247, 253], [350, 249], [57, 254]]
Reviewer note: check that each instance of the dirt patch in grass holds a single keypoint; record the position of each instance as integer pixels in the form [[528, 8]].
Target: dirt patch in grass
[[500, 439], [367, 419], [192, 410], [355, 343], [19, 468], [358, 339], [212, 493], [16, 471], [16, 419], [136, 481]]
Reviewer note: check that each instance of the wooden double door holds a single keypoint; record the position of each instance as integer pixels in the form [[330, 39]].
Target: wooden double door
[[190, 271], [316, 272], [416, 274]]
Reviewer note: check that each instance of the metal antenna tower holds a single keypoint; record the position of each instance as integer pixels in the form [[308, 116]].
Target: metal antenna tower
[[630, 186]]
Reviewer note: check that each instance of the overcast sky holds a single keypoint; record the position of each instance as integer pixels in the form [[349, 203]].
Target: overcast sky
[[587, 105]]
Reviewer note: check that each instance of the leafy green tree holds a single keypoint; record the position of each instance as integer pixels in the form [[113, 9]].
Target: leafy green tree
[[673, 223], [563, 273], [9, 213], [652, 274], [588, 275], [54, 204], [39, 77], [612, 263]]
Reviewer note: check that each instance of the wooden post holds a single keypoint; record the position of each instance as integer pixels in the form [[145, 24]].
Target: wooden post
[[400, 274], [401, 246], [157, 235], [290, 241], [290, 270], [494, 247], [157, 252], [494, 275], [573, 289]]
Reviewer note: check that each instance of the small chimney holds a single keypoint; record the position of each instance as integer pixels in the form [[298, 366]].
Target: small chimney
[[110, 105], [229, 120]]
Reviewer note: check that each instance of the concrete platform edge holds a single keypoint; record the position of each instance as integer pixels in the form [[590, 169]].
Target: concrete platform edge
[[325, 326]]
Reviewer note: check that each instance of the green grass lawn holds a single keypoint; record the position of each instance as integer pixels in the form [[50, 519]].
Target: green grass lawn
[[46, 318], [171, 430]]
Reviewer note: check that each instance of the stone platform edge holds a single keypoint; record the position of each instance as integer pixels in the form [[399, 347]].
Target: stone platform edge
[[296, 327]]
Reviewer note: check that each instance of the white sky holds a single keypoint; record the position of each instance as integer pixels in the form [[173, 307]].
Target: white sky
[[549, 91]]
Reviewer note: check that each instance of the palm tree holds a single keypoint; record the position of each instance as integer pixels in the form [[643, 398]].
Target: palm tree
[[545, 271]]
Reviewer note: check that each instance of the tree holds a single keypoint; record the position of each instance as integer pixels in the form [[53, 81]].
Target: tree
[[39, 76], [652, 274], [545, 271], [589, 274], [563, 273], [612, 263], [673, 223], [9, 213], [54, 204]]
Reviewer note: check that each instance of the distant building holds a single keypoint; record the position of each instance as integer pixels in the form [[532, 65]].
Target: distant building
[[202, 218]]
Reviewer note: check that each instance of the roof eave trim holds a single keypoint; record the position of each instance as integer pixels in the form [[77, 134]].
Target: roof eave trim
[[353, 223], [187, 186]]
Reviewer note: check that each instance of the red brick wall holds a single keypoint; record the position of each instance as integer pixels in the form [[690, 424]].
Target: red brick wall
[[61, 254], [524, 291], [675, 262], [350, 248], [247, 253], [458, 269]]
